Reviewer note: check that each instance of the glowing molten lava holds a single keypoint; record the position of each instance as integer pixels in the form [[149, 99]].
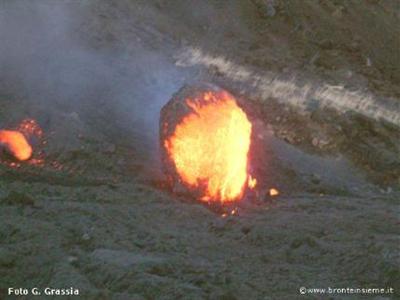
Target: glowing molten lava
[[16, 144], [209, 147]]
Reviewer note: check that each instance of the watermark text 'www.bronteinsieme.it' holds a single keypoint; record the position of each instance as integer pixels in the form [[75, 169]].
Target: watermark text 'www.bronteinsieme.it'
[[346, 291]]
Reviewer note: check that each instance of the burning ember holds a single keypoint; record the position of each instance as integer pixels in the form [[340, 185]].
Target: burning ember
[[273, 192], [17, 142], [205, 140], [252, 182]]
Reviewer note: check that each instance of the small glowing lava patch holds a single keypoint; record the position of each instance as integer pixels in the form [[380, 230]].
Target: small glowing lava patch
[[209, 147], [273, 192], [16, 144]]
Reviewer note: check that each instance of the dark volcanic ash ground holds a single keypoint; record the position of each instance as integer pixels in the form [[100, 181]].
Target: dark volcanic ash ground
[[319, 81]]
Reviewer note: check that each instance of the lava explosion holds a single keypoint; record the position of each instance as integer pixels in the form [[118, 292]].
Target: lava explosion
[[209, 146]]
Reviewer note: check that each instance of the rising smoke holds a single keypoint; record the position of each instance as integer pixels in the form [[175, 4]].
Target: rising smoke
[[57, 59]]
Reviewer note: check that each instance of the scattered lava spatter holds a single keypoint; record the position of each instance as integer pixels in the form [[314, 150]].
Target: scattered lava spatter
[[209, 147], [30, 128]]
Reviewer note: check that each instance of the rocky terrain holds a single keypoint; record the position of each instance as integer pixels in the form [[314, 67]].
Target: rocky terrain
[[319, 81]]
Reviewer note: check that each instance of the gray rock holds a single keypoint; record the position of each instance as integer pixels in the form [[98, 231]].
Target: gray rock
[[271, 11], [124, 258], [18, 198]]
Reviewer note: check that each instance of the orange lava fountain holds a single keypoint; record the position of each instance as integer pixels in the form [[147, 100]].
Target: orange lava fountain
[[16, 144], [209, 147]]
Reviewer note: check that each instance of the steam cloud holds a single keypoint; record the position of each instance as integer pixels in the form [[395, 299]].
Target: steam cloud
[[49, 59]]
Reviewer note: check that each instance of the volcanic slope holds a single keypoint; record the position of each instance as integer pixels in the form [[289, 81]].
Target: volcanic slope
[[95, 75]]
